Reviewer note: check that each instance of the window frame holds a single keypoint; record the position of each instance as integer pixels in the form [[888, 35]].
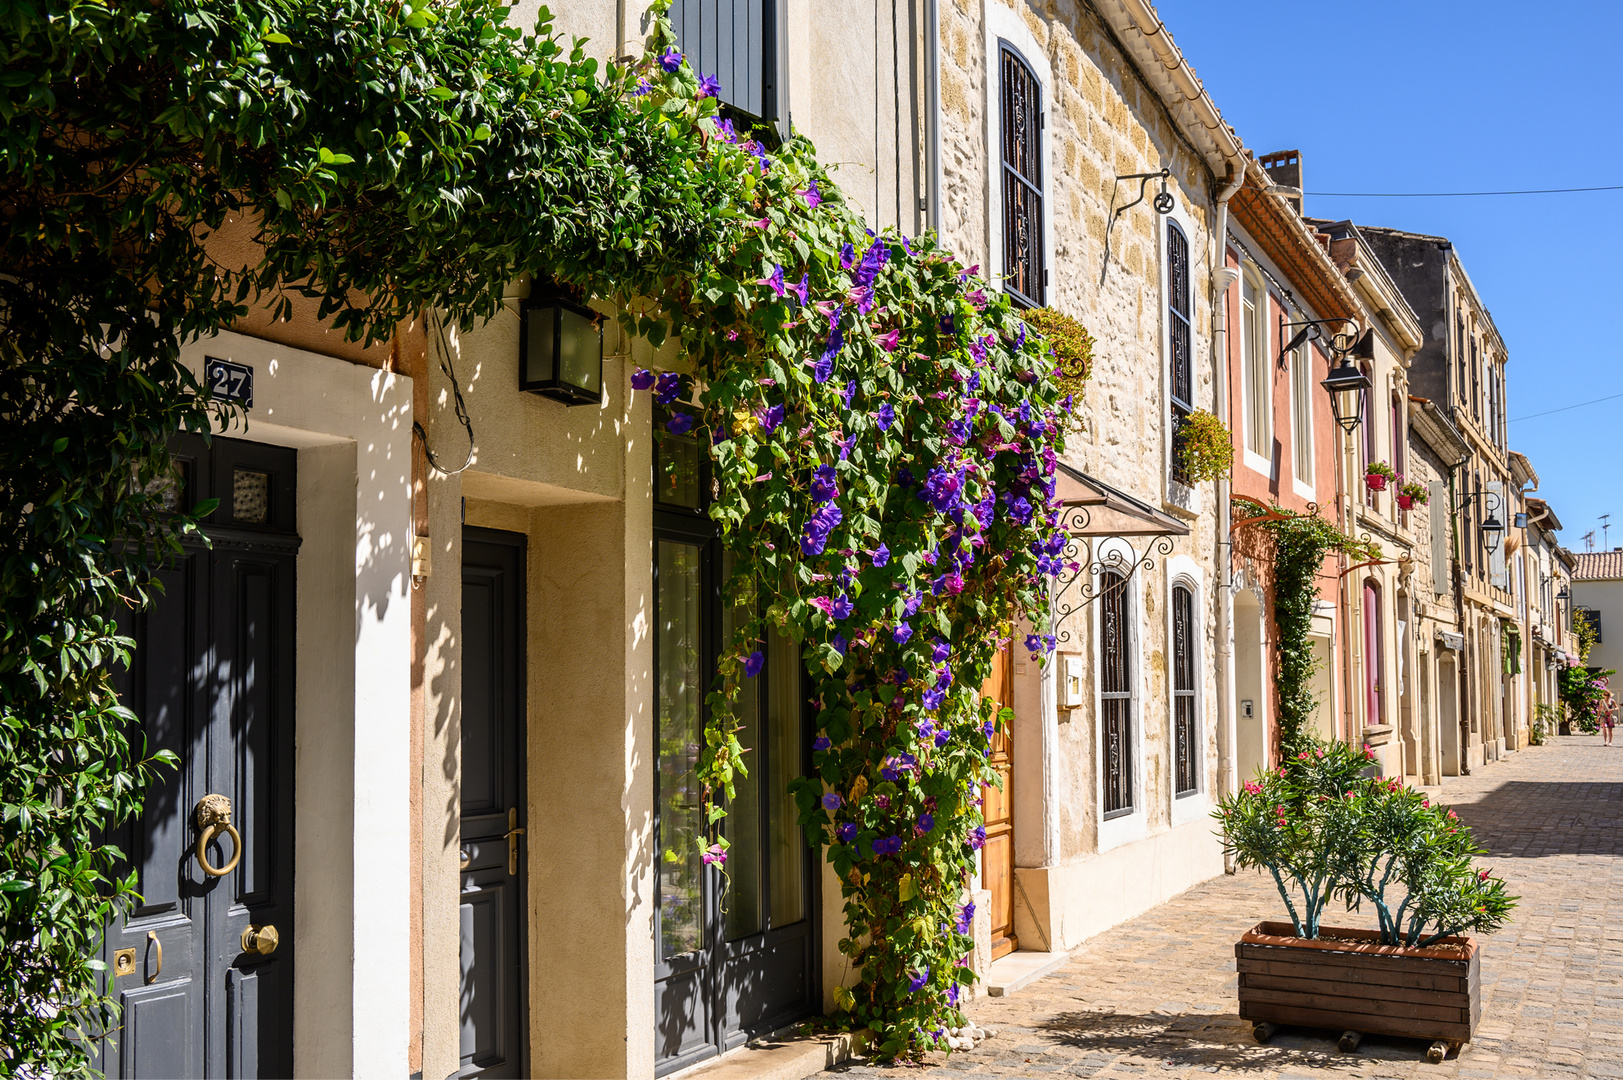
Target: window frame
[[1184, 660], [1259, 428], [1303, 449], [1005, 27], [1120, 827], [1178, 408], [1012, 179]]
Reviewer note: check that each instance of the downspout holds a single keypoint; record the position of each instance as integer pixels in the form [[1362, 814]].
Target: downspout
[[932, 104], [1222, 278]]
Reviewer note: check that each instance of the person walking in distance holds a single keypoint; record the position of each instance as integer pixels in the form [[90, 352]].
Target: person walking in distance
[[1608, 718]]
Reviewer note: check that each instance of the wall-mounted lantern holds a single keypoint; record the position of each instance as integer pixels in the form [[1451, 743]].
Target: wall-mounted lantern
[[560, 350], [1346, 385]]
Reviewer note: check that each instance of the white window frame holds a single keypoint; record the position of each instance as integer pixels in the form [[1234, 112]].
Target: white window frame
[[1254, 337], [1005, 27], [1134, 825], [1197, 805], [1303, 362]]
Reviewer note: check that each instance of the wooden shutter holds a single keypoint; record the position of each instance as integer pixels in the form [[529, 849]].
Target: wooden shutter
[[1438, 504], [741, 43], [1496, 561]]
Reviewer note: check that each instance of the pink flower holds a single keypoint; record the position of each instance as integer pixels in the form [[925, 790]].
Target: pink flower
[[823, 604], [1253, 788], [1483, 875], [714, 854], [890, 341]]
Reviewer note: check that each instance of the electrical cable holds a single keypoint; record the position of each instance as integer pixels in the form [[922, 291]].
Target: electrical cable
[[1456, 194], [1565, 408], [438, 334]]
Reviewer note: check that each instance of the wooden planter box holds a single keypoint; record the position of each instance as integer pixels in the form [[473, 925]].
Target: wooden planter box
[[1372, 989]]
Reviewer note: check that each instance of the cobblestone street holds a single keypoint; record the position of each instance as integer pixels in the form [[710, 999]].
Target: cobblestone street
[[1155, 997]]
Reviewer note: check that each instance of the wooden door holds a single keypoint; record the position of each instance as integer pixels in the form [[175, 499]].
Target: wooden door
[[203, 965], [495, 1035], [997, 857]]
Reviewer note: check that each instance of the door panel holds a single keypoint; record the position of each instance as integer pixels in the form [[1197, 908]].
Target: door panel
[[212, 680], [494, 1032], [997, 856]]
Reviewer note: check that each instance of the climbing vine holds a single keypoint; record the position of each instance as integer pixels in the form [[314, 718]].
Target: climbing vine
[[884, 430], [1300, 543]]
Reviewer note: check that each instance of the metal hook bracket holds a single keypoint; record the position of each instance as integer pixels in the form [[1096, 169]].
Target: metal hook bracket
[[1163, 204]]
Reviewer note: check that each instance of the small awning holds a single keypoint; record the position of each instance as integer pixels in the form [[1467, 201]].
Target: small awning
[[1109, 512]]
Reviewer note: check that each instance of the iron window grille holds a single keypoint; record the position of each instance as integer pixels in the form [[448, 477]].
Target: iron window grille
[[1179, 344], [1183, 691], [1116, 694], [1024, 275]]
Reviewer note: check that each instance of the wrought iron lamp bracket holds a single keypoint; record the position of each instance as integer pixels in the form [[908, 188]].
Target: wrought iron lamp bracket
[[1341, 343], [1163, 204], [1089, 590]]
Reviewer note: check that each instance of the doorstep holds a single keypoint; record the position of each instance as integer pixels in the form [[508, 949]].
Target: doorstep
[[783, 1055], [1018, 970]]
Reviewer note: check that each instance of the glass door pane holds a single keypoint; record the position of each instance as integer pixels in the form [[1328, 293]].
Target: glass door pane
[[741, 901], [787, 843], [678, 645]]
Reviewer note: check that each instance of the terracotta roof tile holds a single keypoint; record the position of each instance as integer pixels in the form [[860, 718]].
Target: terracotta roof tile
[[1598, 564]]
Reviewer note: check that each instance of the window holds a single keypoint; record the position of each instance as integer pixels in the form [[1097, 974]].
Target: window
[[1116, 693], [1591, 616], [1374, 655], [1179, 342], [1397, 438], [1302, 415], [1023, 272], [1186, 754], [1259, 430], [1476, 382], [1368, 443], [741, 43]]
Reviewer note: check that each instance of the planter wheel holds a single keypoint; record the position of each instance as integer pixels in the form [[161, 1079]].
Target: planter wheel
[[1264, 1031], [1437, 1051], [1350, 1040]]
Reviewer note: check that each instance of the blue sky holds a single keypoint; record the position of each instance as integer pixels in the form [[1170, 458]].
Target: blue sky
[[1435, 95]]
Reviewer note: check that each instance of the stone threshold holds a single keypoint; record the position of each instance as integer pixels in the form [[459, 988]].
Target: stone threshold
[[784, 1055], [1017, 970]]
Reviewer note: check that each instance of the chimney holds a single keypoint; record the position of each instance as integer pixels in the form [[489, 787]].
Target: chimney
[[1284, 168]]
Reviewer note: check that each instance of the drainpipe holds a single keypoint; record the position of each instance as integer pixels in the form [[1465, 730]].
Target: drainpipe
[[1222, 278], [932, 105]]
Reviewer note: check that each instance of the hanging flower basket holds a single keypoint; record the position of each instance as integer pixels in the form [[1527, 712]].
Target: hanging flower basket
[[1412, 494], [1377, 474]]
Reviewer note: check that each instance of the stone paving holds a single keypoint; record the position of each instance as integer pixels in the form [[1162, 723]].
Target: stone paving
[[1155, 997]]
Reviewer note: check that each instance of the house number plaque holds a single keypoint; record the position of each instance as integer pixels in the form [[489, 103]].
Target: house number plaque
[[229, 382]]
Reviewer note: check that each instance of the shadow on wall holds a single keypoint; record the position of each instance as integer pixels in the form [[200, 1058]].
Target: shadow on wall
[[1532, 819]]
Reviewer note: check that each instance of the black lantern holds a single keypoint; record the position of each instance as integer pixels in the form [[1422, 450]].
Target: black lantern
[[560, 350], [1346, 385], [1492, 531], [1563, 594]]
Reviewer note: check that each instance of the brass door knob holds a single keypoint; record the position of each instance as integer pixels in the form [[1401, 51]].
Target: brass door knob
[[260, 939]]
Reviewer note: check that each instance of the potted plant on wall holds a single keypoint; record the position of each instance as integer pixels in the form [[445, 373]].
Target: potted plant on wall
[[1412, 493], [1325, 831], [1204, 447], [1376, 475]]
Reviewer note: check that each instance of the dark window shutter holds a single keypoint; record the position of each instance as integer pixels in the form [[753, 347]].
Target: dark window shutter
[[741, 43], [1022, 142]]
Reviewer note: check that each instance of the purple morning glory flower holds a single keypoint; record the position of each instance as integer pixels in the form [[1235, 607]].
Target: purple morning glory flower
[[952, 994], [881, 555], [832, 801], [942, 737], [643, 87], [933, 698], [725, 132], [849, 392], [1033, 644], [813, 197], [836, 341], [966, 918], [917, 979], [774, 281], [668, 388], [988, 728], [839, 643], [912, 605], [823, 370], [902, 632], [841, 608], [873, 260], [760, 154], [846, 832], [885, 417], [926, 822], [803, 290], [642, 379], [770, 417], [977, 837], [823, 486], [940, 650], [848, 255], [821, 743], [708, 86], [670, 60], [891, 773], [680, 423], [815, 535], [752, 664]]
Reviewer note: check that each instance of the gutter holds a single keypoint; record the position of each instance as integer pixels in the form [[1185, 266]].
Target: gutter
[[1223, 278], [932, 103]]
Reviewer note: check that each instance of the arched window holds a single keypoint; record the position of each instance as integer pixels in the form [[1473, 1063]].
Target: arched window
[[1374, 654], [1186, 753], [1179, 342], [1116, 693], [1024, 274]]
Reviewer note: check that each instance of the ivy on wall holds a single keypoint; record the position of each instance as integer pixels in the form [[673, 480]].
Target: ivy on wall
[[1299, 542]]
